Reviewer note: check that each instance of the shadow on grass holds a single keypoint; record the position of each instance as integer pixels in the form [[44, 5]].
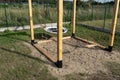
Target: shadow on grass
[[21, 34], [13, 33], [21, 54], [29, 56], [16, 35], [24, 37]]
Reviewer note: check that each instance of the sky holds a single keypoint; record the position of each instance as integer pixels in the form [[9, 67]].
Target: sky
[[95, 0]]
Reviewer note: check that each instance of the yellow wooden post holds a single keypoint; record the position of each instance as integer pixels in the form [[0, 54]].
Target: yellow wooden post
[[31, 21], [114, 22], [73, 18], [59, 33]]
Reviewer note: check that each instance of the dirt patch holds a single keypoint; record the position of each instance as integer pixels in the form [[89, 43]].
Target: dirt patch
[[35, 52], [77, 58]]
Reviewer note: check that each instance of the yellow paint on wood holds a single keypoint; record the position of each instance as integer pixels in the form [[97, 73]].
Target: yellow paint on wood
[[68, 37], [44, 41], [74, 16], [59, 33], [114, 22], [31, 19], [91, 45]]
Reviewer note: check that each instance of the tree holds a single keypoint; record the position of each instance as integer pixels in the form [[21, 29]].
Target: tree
[[90, 2]]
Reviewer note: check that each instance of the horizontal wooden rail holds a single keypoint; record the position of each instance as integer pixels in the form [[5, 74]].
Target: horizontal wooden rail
[[90, 43], [44, 41]]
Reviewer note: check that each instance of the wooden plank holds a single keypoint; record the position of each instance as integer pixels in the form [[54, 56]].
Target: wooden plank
[[94, 45], [31, 19], [90, 42], [90, 45], [45, 53], [68, 37], [44, 41], [101, 46], [114, 22], [84, 40], [74, 17]]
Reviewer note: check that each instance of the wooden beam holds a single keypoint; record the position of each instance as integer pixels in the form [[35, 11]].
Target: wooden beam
[[90, 45], [44, 41], [68, 37], [31, 20], [94, 45], [84, 40], [101, 46], [59, 33], [45, 53], [74, 17], [114, 22], [90, 42]]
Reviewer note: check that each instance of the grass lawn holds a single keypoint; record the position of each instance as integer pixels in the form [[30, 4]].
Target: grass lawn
[[18, 64], [100, 24]]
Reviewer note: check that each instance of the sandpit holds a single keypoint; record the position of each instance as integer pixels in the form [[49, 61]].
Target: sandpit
[[77, 58]]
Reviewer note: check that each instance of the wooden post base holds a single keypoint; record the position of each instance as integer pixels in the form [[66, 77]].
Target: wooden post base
[[59, 64], [110, 48], [33, 42], [73, 35]]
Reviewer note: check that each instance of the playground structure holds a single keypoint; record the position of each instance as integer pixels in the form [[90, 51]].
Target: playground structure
[[58, 61]]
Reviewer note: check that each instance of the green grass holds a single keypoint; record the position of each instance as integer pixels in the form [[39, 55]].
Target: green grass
[[16, 61], [19, 16], [100, 24]]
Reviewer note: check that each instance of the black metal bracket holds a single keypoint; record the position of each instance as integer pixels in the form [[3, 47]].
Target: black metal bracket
[[110, 48], [33, 42], [59, 64], [73, 35]]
